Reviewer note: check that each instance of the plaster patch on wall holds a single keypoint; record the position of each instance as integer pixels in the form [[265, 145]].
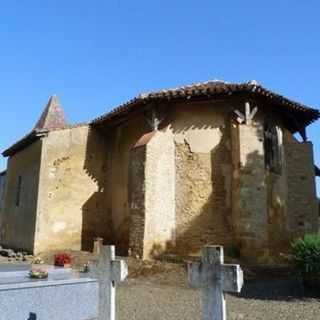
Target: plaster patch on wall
[[200, 140], [59, 226], [201, 126], [52, 172]]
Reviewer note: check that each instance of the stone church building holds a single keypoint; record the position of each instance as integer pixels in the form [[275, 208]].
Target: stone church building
[[166, 173]]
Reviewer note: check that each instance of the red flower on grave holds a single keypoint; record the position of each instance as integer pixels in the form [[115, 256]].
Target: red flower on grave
[[62, 259]]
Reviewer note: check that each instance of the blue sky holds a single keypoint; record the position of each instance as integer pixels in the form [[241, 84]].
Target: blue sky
[[97, 54]]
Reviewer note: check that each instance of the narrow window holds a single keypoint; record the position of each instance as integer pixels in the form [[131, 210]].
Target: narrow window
[[18, 196], [2, 188], [272, 148]]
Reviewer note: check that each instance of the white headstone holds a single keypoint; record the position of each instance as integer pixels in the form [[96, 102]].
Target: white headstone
[[214, 278], [108, 271]]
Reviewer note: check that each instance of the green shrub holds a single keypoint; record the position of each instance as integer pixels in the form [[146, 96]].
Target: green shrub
[[306, 253], [232, 251]]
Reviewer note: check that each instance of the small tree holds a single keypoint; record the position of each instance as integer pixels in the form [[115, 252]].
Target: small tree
[[306, 253]]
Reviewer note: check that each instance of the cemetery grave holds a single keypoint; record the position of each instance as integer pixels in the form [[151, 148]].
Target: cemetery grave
[[161, 292], [214, 278], [56, 297], [64, 294]]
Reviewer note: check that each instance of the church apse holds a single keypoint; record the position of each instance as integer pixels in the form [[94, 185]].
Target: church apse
[[203, 177]]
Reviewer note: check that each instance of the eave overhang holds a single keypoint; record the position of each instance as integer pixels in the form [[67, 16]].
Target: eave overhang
[[297, 115]]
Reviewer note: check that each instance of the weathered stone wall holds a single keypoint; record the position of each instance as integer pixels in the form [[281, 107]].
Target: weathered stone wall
[[203, 176], [201, 179], [160, 194], [301, 199], [137, 199], [249, 189], [120, 141], [259, 194], [269, 206], [18, 222], [277, 192], [72, 206], [224, 193], [152, 200]]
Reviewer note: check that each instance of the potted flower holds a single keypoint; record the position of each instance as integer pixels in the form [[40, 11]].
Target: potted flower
[[306, 254], [85, 268], [38, 274], [37, 260], [62, 260]]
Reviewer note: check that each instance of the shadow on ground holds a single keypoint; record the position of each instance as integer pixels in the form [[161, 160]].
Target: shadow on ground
[[281, 289]]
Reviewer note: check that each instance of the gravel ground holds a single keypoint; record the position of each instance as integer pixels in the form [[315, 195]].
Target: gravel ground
[[166, 296], [140, 300]]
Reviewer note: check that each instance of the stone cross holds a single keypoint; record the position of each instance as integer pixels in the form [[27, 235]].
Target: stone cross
[[154, 121], [108, 271], [248, 116], [214, 278]]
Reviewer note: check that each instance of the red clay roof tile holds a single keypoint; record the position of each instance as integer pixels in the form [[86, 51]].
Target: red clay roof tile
[[211, 89]]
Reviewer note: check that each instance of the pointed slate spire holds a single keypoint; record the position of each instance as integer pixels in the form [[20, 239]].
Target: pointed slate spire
[[52, 116]]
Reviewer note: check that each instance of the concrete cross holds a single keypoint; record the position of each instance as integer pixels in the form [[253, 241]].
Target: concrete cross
[[214, 278], [97, 245], [108, 271]]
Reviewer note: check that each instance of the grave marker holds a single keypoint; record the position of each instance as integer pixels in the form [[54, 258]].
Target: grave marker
[[214, 278], [108, 271], [64, 295], [97, 245]]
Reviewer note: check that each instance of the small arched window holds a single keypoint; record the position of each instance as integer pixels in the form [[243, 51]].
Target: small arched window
[[272, 149]]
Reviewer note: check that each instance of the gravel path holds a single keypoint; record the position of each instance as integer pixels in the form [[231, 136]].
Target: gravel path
[[267, 299]]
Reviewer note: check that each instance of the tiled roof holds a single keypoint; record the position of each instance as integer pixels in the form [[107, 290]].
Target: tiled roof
[[23, 142], [33, 136], [52, 118], [211, 89]]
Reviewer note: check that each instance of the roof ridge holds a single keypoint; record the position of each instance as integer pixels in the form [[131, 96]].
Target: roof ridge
[[186, 86]]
